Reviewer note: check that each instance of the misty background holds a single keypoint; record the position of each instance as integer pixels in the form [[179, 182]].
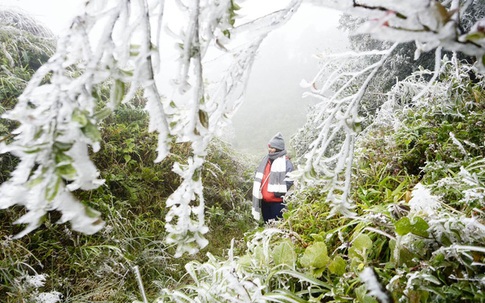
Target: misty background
[[273, 101]]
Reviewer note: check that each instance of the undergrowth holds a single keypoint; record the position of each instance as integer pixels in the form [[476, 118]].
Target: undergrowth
[[100, 267]]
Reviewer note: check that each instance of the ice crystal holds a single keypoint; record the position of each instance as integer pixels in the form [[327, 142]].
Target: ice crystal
[[48, 297], [368, 276], [423, 202]]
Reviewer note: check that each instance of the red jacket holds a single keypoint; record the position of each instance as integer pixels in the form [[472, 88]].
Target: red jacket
[[268, 196]]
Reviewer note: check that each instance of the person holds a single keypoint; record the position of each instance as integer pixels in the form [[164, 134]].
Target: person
[[271, 181]]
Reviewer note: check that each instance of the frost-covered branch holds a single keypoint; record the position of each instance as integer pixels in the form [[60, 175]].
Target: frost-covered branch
[[430, 23], [337, 123], [212, 103]]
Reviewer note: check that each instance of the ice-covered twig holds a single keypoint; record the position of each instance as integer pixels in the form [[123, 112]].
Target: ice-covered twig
[[337, 123]]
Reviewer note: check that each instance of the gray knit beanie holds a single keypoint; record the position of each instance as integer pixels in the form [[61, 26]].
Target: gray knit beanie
[[277, 142]]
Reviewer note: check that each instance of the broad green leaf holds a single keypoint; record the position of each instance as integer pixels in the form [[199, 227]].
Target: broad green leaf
[[419, 227], [284, 253], [358, 251], [362, 242], [403, 226], [315, 256], [337, 266], [318, 272]]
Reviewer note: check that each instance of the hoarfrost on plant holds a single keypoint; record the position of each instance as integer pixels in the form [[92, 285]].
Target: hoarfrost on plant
[[423, 202]]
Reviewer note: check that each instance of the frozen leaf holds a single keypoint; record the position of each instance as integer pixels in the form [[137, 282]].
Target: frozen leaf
[[360, 247]]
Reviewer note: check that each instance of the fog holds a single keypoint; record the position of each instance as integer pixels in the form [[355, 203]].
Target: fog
[[273, 101]]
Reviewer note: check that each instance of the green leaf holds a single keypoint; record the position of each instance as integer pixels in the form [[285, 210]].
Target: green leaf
[[361, 294], [337, 266], [53, 189], [304, 278], [475, 36], [419, 227], [362, 242], [102, 114], [66, 171], [62, 158], [92, 132], [403, 226], [315, 256], [281, 295], [318, 237], [62, 146], [117, 92], [79, 117], [35, 181], [245, 261], [204, 118], [358, 251], [33, 150], [284, 254]]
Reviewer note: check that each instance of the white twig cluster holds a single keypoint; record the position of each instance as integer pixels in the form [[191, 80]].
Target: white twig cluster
[[337, 122]]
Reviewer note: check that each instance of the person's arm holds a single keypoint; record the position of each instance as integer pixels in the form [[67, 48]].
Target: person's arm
[[289, 168]]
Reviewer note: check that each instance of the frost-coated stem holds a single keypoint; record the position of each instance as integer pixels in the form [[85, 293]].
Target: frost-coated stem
[[437, 70], [328, 155]]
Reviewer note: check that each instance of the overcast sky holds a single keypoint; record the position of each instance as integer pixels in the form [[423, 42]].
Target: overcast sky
[[55, 14]]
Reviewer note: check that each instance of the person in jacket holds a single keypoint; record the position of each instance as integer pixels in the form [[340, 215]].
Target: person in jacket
[[271, 182]]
